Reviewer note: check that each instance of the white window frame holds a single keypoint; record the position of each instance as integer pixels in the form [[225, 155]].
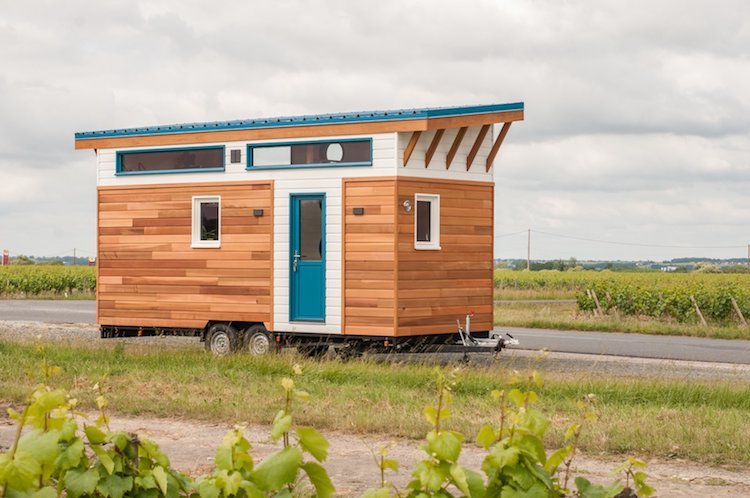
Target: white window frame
[[197, 242], [434, 243]]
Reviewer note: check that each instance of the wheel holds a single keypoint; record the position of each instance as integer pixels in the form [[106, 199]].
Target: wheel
[[221, 339], [257, 341]]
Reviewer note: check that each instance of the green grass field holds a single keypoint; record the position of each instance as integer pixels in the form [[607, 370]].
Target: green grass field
[[700, 421]]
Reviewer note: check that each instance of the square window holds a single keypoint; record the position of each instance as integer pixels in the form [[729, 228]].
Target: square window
[[206, 221], [427, 221]]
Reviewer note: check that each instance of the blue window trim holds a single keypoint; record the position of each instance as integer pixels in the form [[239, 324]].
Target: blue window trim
[[250, 147], [118, 163], [324, 253]]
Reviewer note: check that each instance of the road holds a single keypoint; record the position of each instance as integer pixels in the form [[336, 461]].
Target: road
[[592, 343]]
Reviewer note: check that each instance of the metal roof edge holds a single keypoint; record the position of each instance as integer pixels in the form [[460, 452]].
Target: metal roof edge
[[307, 120]]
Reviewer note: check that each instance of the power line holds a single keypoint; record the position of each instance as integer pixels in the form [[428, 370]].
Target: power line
[[509, 234]]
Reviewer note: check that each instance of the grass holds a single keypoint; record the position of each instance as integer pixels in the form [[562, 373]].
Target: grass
[[566, 316], [700, 421]]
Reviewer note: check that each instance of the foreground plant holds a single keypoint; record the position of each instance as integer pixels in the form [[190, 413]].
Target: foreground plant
[[516, 464], [52, 457]]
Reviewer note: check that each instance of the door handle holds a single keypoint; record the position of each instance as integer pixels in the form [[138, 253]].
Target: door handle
[[295, 259]]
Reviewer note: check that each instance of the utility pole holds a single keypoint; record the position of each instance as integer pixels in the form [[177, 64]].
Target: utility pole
[[528, 251], [74, 256], [748, 255]]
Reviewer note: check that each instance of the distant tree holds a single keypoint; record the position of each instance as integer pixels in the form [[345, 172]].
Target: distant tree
[[21, 260]]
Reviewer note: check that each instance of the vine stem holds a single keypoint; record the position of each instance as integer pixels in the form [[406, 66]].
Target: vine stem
[[12, 453]]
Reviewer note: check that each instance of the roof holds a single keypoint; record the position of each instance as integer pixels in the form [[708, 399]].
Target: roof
[[308, 120]]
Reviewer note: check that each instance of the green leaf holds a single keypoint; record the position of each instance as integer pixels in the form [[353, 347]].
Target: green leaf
[[588, 490], [557, 458], [430, 413], [151, 450], [21, 472], [535, 491], [533, 447], [389, 463], [313, 442], [445, 445], [208, 489], [45, 492], [475, 483], [278, 469], [79, 482], [115, 486], [94, 434], [430, 475], [516, 397], [160, 476], [104, 458], [319, 478], [459, 478], [43, 445], [500, 458], [486, 436], [281, 425], [223, 458]]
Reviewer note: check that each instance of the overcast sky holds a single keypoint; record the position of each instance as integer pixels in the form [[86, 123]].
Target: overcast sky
[[637, 122]]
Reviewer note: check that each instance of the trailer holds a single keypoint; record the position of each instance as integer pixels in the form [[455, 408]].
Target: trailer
[[365, 231]]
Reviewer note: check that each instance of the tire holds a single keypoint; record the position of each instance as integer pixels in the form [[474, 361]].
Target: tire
[[257, 341], [222, 339]]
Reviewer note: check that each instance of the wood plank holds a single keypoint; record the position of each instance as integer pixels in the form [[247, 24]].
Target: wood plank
[[433, 147], [410, 146], [477, 145], [455, 146], [496, 146]]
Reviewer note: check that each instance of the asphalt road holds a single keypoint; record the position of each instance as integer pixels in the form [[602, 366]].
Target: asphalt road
[[591, 343]]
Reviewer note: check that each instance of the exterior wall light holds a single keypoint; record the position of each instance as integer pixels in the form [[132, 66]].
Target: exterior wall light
[[407, 206]]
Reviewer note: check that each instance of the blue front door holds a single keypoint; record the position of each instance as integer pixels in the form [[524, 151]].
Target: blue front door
[[307, 258]]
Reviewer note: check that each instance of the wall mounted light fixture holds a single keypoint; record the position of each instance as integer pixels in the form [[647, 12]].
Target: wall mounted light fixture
[[407, 206]]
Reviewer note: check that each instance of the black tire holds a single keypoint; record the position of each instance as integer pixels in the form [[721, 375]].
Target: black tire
[[258, 342], [222, 339]]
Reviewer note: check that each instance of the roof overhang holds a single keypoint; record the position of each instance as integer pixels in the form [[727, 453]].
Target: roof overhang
[[353, 123]]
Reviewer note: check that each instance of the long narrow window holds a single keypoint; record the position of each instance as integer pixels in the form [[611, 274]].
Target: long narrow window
[[427, 221], [206, 221], [351, 152], [182, 160]]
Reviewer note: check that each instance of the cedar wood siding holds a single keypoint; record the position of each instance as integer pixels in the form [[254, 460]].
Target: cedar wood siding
[[150, 276], [369, 256], [436, 287]]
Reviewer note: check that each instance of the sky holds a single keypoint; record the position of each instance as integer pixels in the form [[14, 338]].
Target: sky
[[635, 144]]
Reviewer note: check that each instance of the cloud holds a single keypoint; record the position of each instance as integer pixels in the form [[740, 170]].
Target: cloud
[[636, 128]]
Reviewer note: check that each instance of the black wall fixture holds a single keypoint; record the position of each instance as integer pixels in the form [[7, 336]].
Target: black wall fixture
[[358, 211], [257, 213]]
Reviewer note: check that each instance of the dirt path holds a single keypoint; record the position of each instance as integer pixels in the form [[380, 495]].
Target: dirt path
[[191, 446]]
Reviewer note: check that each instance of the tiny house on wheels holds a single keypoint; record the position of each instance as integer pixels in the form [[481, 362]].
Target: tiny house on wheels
[[362, 230]]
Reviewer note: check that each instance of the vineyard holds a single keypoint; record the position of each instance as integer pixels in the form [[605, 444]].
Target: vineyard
[[676, 296], [23, 281]]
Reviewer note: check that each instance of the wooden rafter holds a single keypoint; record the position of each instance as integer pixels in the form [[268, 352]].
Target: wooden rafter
[[433, 147], [410, 146], [455, 146], [477, 145], [496, 146]]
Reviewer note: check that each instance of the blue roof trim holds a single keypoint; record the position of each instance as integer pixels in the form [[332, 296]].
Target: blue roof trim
[[314, 119]]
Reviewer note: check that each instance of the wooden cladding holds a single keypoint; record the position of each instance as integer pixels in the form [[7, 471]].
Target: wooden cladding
[[391, 288], [149, 275], [437, 287], [369, 257]]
